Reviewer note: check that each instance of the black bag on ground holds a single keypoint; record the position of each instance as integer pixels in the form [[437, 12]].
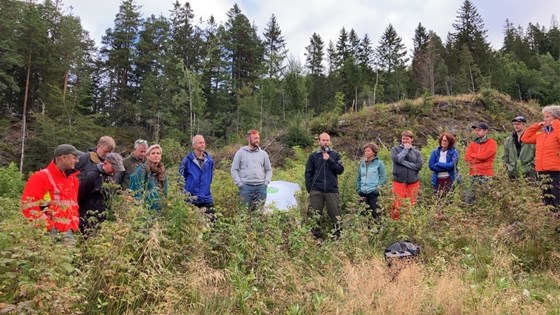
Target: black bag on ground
[[401, 250]]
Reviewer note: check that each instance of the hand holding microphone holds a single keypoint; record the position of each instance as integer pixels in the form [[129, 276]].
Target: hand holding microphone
[[326, 155]]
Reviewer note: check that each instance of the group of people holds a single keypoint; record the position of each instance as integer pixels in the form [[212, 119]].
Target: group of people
[[69, 194], [531, 152]]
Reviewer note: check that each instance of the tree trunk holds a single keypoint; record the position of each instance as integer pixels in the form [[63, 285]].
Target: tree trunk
[[472, 79], [24, 112], [375, 85], [65, 81]]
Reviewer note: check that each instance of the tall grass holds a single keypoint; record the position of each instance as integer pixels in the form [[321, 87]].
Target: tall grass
[[495, 257]]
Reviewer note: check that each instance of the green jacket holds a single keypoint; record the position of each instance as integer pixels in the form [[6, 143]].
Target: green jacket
[[526, 158]]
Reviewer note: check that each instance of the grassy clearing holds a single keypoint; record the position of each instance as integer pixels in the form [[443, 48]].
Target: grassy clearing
[[496, 257]]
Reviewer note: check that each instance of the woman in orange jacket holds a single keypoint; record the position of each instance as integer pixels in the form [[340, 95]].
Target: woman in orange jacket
[[546, 136]]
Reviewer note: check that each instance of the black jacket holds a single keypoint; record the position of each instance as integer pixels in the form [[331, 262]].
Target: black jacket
[[322, 175], [87, 162], [92, 196]]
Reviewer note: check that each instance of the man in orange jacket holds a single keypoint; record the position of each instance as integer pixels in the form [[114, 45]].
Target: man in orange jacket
[[480, 156], [50, 196]]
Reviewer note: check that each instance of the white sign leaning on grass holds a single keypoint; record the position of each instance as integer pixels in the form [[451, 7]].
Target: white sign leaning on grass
[[280, 195]]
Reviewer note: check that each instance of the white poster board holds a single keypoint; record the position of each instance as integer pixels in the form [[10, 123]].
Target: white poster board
[[280, 195]]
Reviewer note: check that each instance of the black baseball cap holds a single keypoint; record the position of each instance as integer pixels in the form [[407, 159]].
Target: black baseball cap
[[519, 119], [480, 126]]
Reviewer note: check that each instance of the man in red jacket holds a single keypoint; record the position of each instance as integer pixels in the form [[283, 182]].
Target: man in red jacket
[[50, 196], [480, 156]]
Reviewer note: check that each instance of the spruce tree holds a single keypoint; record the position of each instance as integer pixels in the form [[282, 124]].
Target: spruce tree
[[274, 49], [119, 51], [391, 60]]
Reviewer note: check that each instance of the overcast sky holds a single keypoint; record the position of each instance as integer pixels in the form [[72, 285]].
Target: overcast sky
[[299, 19]]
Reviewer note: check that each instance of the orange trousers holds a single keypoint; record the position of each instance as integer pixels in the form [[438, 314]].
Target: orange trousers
[[403, 191]]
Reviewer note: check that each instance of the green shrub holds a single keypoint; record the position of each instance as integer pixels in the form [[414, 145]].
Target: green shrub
[[11, 181], [173, 152], [298, 136], [326, 122]]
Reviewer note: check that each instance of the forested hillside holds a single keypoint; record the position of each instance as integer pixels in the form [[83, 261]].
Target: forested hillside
[[169, 77]]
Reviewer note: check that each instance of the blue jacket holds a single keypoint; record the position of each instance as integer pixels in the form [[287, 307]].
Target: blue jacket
[[449, 166], [371, 176], [197, 179], [146, 187]]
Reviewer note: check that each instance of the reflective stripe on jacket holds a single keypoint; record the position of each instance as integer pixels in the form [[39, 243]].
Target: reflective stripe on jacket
[[52, 196]]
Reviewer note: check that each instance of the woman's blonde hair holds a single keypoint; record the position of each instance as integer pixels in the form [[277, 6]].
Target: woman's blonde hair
[[153, 146]]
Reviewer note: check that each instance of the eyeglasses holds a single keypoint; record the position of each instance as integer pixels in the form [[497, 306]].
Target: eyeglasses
[[140, 142]]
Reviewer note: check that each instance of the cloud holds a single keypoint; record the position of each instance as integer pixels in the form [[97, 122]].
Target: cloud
[[299, 19]]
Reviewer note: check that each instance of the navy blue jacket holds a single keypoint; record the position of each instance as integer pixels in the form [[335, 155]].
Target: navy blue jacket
[[450, 166], [197, 179], [321, 175]]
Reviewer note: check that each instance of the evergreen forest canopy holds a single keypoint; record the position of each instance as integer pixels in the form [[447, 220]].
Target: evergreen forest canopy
[[171, 77]]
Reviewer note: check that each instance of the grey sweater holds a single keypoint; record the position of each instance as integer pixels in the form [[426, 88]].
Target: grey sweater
[[251, 167], [407, 163]]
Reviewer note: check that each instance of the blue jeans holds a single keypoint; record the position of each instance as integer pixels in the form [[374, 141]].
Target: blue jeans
[[252, 196]]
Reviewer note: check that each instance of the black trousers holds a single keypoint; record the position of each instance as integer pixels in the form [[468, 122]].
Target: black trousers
[[371, 201], [551, 188]]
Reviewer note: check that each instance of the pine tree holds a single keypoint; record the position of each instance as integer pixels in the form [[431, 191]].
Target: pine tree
[[331, 57], [245, 56], [119, 50], [343, 50], [365, 53], [187, 42], [275, 49], [428, 69], [354, 44], [316, 78], [469, 36], [314, 55], [391, 60], [11, 58], [216, 79], [152, 109]]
